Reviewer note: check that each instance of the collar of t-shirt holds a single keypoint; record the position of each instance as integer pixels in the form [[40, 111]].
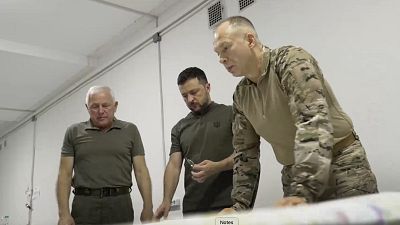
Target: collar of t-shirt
[[116, 124], [204, 110]]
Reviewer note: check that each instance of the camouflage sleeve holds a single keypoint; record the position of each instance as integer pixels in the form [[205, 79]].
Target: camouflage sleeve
[[246, 169], [302, 81]]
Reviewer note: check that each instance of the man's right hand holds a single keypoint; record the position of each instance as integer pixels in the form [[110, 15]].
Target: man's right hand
[[66, 220], [162, 211], [227, 211]]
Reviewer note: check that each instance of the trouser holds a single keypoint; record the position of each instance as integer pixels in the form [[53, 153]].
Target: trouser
[[350, 175], [105, 210]]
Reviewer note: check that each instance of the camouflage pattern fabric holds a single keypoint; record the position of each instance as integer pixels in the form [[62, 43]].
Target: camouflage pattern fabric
[[246, 167], [350, 175], [302, 81]]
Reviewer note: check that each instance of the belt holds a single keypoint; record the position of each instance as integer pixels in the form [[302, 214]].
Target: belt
[[344, 143], [102, 192]]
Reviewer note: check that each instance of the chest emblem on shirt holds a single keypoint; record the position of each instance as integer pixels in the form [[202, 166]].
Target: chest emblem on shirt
[[216, 124]]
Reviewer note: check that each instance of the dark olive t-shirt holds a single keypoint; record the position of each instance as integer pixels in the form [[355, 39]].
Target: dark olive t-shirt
[[205, 136], [102, 159]]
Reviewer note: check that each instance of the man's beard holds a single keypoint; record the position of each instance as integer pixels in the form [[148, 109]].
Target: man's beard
[[203, 107]]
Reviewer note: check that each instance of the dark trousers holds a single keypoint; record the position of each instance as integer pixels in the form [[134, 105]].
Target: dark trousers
[[105, 210]]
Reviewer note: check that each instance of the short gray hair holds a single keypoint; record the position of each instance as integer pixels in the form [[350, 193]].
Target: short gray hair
[[97, 89], [240, 22]]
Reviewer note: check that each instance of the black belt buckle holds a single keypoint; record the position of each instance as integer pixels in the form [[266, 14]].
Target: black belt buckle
[[105, 192], [102, 192]]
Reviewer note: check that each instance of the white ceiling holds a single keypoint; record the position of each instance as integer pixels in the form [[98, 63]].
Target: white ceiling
[[46, 45]]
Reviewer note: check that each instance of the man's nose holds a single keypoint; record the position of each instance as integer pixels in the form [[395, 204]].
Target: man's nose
[[190, 98], [101, 109], [222, 60]]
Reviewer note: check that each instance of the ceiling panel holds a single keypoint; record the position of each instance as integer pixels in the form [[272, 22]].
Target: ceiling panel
[[47, 45], [139, 5], [5, 126], [30, 79], [76, 26], [11, 116]]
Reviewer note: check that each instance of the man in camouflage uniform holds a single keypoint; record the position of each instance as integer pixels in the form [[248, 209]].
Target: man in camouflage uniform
[[284, 98]]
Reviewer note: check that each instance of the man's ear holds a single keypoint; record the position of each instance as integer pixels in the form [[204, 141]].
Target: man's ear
[[116, 105], [208, 86], [251, 39]]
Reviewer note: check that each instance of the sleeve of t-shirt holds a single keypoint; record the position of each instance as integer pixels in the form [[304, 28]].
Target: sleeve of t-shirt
[[67, 148], [138, 148], [175, 140]]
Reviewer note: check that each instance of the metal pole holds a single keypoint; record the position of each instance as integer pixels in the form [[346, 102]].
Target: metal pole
[[30, 206]]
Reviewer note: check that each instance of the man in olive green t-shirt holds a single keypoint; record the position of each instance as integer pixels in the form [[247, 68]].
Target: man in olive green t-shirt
[[203, 139], [100, 153]]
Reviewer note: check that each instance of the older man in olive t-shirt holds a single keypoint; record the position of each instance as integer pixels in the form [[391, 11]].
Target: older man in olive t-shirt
[[100, 154]]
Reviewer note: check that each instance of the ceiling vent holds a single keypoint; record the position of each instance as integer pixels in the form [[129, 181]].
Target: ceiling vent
[[244, 3], [215, 13]]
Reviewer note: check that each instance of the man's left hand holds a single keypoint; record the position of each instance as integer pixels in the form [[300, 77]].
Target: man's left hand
[[203, 170], [290, 201]]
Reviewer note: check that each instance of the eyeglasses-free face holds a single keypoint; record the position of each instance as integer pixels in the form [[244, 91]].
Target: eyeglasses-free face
[[101, 108]]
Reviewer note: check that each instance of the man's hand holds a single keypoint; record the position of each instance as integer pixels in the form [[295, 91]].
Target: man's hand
[[203, 170], [146, 215], [66, 220], [226, 211], [290, 201], [162, 211]]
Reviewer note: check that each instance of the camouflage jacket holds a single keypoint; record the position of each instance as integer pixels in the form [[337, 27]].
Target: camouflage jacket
[[294, 109]]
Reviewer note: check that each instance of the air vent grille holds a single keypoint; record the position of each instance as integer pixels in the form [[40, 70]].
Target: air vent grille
[[215, 13], [244, 3]]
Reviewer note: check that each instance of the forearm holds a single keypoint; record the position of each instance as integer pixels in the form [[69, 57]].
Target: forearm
[[63, 191], [225, 164], [246, 168], [145, 189], [311, 170], [63, 186], [303, 83], [246, 172], [171, 179]]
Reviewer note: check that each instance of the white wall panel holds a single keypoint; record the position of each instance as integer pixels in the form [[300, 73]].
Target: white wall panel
[[355, 44], [51, 128], [15, 174], [136, 87]]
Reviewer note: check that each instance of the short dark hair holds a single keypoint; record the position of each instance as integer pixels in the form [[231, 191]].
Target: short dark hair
[[238, 21], [190, 73]]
